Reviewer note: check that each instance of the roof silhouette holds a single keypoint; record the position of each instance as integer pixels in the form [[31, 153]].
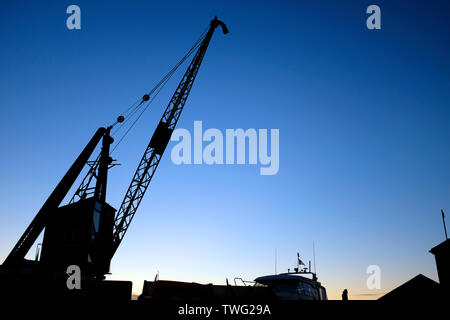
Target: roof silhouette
[[418, 288]]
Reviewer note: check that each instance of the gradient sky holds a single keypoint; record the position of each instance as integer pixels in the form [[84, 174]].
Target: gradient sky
[[363, 118]]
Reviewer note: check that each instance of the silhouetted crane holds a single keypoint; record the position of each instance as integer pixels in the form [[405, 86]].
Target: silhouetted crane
[[87, 231]]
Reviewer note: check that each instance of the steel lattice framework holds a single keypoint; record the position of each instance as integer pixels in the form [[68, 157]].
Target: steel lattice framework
[[159, 141]]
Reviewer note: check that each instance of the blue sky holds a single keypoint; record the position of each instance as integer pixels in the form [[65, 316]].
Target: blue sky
[[363, 118]]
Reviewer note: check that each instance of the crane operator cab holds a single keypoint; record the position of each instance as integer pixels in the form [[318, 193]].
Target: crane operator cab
[[80, 234]]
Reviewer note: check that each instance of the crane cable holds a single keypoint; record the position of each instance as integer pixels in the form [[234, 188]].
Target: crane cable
[[139, 116], [131, 111], [145, 102]]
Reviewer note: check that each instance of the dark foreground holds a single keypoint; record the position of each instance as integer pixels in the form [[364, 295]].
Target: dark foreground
[[154, 309]]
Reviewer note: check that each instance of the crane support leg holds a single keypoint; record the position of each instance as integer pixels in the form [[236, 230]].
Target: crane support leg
[[54, 200]]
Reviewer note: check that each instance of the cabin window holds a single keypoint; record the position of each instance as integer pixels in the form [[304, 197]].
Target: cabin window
[[306, 289], [284, 288], [96, 219], [323, 293], [312, 292], [301, 290], [257, 284]]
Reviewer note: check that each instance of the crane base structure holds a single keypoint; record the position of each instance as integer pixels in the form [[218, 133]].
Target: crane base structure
[[77, 235]]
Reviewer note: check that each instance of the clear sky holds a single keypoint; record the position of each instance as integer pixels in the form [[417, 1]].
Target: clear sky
[[363, 118]]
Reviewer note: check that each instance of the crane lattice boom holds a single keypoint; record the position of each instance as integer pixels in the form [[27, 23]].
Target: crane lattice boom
[[159, 141]]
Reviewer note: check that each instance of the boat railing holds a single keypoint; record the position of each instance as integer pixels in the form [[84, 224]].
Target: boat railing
[[243, 281]]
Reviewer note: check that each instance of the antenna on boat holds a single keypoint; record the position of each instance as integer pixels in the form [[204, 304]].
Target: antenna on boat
[[314, 257], [275, 260]]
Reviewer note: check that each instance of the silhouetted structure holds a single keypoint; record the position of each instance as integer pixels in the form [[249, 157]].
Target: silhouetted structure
[[280, 287], [163, 290], [418, 288], [442, 256], [421, 288], [345, 295], [290, 286]]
